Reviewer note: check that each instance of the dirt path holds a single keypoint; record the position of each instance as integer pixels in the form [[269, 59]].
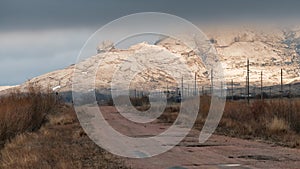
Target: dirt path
[[217, 152]]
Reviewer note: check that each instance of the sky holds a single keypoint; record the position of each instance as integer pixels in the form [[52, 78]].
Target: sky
[[39, 36]]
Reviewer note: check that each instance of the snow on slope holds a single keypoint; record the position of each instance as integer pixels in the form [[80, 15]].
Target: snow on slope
[[268, 50]]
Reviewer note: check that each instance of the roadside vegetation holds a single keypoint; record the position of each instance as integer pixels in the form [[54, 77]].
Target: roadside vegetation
[[39, 131], [275, 120], [272, 120], [24, 112]]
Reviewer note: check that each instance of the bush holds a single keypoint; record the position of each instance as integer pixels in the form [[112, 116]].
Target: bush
[[278, 125], [20, 112], [271, 119]]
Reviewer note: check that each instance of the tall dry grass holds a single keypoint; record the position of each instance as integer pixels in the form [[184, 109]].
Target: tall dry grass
[[275, 120], [20, 112], [40, 131], [60, 143]]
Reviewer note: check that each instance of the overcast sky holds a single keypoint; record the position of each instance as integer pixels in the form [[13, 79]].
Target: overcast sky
[[40, 36]]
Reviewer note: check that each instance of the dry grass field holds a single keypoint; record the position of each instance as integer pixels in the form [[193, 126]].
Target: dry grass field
[[39, 131], [24, 112], [274, 120]]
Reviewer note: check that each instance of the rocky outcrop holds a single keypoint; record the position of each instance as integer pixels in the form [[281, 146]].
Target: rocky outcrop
[[268, 50]]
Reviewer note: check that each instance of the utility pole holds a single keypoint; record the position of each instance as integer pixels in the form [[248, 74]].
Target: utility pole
[[290, 92], [261, 85], [222, 89], [246, 79], [167, 88], [167, 92], [231, 89], [182, 88], [248, 94], [281, 84]]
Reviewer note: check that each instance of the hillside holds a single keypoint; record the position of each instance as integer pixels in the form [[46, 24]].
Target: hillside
[[268, 50]]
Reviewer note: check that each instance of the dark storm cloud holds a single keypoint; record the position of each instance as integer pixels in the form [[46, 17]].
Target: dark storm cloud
[[18, 14], [40, 36]]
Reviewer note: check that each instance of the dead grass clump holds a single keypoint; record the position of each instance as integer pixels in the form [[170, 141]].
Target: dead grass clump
[[260, 110], [21, 112], [173, 108], [56, 146], [294, 115], [274, 120], [140, 101], [277, 120], [170, 113], [65, 116], [278, 125], [204, 105], [61, 119]]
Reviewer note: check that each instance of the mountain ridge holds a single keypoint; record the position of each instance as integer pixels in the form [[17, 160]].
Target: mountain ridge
[[268, 51]]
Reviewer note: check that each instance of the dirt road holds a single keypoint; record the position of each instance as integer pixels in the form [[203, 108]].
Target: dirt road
[[217, 152]]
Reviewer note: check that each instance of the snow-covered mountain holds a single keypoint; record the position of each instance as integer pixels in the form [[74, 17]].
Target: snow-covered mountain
[[268, 50]]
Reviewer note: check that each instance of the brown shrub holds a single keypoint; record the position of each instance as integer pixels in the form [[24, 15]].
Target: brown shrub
[[21, 112], [278, 125], [57, 145], [204, 106], [275, 119]]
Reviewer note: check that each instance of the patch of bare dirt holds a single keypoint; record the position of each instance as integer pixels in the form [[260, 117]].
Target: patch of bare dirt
[[217, 152]]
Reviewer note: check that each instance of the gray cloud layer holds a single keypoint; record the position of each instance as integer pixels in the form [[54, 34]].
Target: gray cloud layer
[[16, 14]]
